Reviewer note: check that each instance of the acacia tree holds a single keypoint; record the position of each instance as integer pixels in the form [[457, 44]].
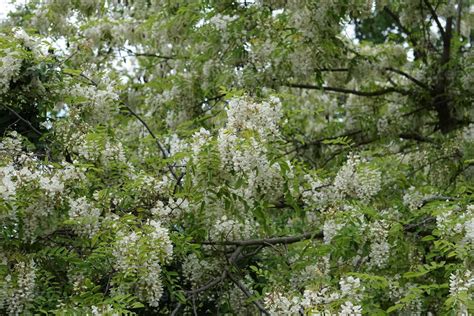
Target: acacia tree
[[237, 157]]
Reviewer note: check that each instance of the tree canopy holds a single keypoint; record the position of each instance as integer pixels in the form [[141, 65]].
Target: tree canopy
[[275, 157]]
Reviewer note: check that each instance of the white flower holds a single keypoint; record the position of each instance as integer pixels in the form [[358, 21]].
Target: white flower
[[413, 199], [356, 180], [380, 247], [226, 228], [51, 184], [460, 282], [141, 254], [7, 185], [349, 309], [330, 229], [263, 117], [85, 215], [279, 304], [23, 292], [469, 228], [220, 21], [349, 286], [200, 138], [10, 65]]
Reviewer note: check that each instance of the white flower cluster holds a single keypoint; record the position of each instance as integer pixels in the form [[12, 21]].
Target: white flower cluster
[[413, 199], [349, 309], [452, 222], [262, 118], [176, 145], [199, 139], [468, 134], [469, 229], [85, 216], [277, 303], [100, 101], [356, 180], [241, 144], [51, 184], [307, 274], [324, 296], [330, 229], [172, 210], [319, 193], [22, 172], [398, 290], [86, 148], [10, 64], [311, 302], [379, 248], [113, 151], [220, 21], [23, 292], [351, 287], [460, 281], [198, 271], [141, 254], [239, 300], [7, 184], [104, 310], [230, 229]]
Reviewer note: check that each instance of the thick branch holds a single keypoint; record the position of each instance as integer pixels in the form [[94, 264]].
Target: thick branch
[[332, 69], [417, 137], [458, 17], [347, 91], [435, 17], [265, 241]]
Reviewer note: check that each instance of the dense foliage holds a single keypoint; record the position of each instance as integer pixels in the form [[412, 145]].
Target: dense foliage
[[237, 157]]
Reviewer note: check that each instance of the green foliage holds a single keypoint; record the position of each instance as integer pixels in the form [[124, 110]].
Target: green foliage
[[236, 157]]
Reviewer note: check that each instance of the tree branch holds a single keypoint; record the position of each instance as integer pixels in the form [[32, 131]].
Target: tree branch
[[23, 119], [417, 137], [209, 284], [162, 149], [458, 17], [347, 91], [212, 282], [150, 55], [247, 293], [264, 241], [409, 77], [435, 17], [398, 22]]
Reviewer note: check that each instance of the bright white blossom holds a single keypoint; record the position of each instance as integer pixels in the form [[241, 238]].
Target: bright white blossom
[[356, 180], [24, 289], [349, 309], [142, 254], [85, 215]]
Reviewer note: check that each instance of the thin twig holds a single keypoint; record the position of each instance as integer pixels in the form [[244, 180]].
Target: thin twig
[[176, 309], [247, 293], [162, 149], [23, 119], [409, 77]]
